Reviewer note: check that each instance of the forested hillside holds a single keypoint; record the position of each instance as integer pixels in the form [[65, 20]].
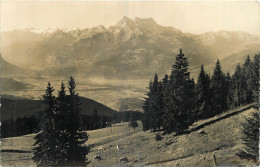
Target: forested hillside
[[176, 101]]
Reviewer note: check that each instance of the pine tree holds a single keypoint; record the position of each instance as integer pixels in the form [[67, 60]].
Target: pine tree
[[218, 94], [236, 86], [76, 136], [62, 101], [47, 151], [164, 96], [155, 106], [247, 93], [62, 119], [180, 98], [228, 89], [202, 92]]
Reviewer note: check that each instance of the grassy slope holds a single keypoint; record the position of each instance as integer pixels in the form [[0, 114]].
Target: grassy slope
[[222, 138]]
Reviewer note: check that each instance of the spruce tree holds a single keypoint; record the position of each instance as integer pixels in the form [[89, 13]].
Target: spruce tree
[[76, 152], [164, 98], [62, 118], [218, 94], [62, 102], [229, 90], [236, 86], [180, 99], [202, 92], [155, 106], [47, 151]]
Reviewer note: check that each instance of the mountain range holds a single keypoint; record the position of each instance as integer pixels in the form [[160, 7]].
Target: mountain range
[[133, 48]]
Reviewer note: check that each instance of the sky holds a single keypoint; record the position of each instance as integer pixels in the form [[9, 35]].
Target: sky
[[188, 16]]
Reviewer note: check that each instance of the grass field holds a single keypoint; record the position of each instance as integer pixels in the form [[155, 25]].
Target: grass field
[[222, 139]]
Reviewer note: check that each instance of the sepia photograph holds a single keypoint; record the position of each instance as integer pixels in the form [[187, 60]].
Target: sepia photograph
[[129, 83]]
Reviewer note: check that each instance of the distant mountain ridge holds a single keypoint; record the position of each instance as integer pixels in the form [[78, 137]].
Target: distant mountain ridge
[[14, 107], [133, 48]]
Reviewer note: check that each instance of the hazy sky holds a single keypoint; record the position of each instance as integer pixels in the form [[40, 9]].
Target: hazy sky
[[189, 16]]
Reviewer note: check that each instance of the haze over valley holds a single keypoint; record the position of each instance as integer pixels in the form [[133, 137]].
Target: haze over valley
[[112, 65]]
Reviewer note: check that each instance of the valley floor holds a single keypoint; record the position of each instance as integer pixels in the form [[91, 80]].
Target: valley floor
[[221, 138]]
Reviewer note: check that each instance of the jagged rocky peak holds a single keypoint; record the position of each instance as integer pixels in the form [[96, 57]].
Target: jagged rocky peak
[[125, 21]]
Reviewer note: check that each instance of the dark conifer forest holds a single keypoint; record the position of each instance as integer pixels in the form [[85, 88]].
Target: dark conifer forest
[[174, 102]]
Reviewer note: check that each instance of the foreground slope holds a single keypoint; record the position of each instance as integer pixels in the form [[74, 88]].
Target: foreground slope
[[222, 138]]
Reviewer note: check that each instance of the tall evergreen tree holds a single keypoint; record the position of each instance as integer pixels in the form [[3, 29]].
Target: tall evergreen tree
[[202, 92], [62, 102], [247, 93], [237, 88], [164, 97], [155, 106], [62, 118], [218, 94], [180, 99], [228, 89], [47, 151], [76, 136]]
